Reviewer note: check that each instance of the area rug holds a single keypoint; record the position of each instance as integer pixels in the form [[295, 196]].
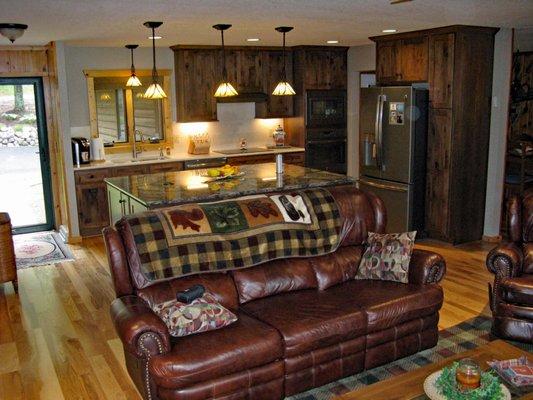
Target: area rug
[[34, 249], [459, 338]]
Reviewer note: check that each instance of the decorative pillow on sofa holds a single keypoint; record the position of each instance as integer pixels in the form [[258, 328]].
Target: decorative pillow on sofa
[[201, 315], [387, 257]]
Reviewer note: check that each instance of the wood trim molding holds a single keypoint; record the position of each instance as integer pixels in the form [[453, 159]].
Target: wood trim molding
[[492, 239], [111, 73]]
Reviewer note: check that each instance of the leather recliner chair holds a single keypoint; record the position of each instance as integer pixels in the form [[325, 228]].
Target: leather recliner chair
[[511, 296]]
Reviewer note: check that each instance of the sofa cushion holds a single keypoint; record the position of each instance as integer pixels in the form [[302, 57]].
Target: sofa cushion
[[387, 304], [527, 264], [518, 290], [387, 257], [245, 344], [220, 285], [338, 267], [274, 277], [310, 319], [200, 315]]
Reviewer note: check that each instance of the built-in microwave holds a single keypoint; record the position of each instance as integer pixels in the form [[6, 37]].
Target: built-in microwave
[[326, 108]]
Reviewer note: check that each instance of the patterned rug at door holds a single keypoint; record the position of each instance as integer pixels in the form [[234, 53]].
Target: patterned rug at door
[[459, 338], [34, 249]]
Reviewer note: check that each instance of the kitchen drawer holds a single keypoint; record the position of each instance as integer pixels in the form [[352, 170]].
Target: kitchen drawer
[[139, 169], [166, 167], [92, 176], [294, 158], [252, 159]]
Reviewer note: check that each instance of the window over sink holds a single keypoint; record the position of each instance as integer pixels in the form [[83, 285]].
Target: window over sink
[[121, 114]]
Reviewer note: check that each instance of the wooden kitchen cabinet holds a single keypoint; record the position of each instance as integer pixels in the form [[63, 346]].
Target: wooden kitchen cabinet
[[403, 60], [92, 208], [387, 68], [441, 54], [438, 172], [458, 67], [319, 67], [197, 73], [288, 158], [272, 67], [414, 59]]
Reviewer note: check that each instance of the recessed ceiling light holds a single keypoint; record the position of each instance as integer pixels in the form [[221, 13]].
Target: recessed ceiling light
[[155, 37], [332, 41], [252, 40], [389, 30]]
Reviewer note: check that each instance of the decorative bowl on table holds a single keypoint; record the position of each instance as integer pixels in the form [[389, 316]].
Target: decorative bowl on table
[[442, 385], [225, 172]]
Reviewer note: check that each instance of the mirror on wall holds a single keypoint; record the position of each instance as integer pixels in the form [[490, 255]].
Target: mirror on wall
[[119, 113]]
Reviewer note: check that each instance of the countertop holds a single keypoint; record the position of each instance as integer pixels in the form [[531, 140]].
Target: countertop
[[124, 160], [172, 188]]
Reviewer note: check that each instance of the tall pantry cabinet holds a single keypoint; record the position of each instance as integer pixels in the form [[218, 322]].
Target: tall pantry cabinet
[[459, 73]]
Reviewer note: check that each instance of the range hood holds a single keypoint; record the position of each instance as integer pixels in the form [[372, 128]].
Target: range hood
[[244, 97]]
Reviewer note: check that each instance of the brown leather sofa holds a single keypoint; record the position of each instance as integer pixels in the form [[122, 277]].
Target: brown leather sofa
[[290, 336], [511, 296]]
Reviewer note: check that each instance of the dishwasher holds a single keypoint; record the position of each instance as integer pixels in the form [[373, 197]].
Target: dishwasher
[[205, 163]]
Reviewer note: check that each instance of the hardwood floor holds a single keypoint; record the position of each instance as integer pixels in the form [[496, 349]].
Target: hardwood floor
[[57, 340]]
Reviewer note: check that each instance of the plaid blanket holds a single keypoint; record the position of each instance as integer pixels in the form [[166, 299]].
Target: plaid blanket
[[230, 234]]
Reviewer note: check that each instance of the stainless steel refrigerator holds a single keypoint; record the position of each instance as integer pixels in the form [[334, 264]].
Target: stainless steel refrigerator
[[393, 135]]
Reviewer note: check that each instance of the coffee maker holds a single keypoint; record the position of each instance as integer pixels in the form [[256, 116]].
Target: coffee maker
[[81, 151]]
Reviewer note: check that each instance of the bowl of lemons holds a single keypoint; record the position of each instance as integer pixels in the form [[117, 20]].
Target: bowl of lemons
[[225, 172]]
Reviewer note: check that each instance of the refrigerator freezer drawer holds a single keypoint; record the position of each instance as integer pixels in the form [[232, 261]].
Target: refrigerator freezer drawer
[[397, 198]]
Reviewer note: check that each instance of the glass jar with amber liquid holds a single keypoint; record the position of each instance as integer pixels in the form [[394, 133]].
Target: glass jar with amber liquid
[[468, 375]]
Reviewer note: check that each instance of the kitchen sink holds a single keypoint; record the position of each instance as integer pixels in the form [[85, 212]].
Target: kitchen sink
[[245, 151], [139, 160]]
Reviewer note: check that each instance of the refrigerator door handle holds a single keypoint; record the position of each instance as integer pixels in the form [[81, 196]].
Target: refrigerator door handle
[[382, 186], [382, 99], [376, 146]]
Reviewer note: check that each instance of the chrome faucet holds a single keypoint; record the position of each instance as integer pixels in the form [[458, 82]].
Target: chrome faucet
[[137, 151]]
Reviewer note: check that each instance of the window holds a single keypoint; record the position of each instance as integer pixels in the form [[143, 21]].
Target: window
[[119, 113]]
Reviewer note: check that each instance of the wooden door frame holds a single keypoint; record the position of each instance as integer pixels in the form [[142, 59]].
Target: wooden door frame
[[41, 61]]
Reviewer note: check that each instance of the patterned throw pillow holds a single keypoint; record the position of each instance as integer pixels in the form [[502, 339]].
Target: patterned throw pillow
[[387, 257], [201, 315]]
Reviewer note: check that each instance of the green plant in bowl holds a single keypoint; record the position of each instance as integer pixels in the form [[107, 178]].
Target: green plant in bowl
[[489, 389]]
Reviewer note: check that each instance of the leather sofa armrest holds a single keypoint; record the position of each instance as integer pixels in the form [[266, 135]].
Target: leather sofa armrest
[[426, 267], [505, 260], [142, 332]]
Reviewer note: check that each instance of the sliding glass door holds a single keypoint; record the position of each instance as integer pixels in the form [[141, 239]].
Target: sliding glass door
[[24, 160]]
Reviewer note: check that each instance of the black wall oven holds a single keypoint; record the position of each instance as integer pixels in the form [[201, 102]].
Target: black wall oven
[[325, 149], [326, 109], [325, 125]]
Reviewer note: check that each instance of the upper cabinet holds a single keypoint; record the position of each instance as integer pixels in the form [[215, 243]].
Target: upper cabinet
[[197, 74], [253, 71], [272, 66], [318, 67], [401, 60]]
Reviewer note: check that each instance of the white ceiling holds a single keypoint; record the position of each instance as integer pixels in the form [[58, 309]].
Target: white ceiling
[[117, 22]]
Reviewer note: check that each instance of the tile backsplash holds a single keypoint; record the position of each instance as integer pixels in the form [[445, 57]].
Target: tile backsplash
[[235, 121]]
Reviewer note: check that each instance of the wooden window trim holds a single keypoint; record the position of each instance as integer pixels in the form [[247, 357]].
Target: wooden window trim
[[167, 114]]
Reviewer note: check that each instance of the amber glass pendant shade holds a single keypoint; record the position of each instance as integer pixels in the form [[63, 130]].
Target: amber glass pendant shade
[[225, 89], [154, 91], [284, 88]]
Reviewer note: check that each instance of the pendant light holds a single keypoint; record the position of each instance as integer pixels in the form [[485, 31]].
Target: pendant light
[[133, 81], [154, 91], [225, 89], [284, 88]]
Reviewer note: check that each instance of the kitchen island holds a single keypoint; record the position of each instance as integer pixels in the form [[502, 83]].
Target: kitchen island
[[136, 193]]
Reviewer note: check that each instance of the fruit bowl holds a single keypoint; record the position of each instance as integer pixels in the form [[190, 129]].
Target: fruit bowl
[[225, 172]]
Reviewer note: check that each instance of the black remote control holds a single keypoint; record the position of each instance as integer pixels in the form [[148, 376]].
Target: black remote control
[[187, 296], [291, 210]]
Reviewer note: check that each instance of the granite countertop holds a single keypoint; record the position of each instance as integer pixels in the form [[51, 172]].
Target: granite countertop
[[124, 160], [171, 188]]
